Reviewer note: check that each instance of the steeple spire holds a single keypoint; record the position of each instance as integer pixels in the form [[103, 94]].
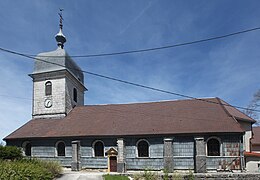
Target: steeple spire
[[60, 38]]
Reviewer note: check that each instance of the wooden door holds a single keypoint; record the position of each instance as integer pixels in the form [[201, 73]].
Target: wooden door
[[113, 164]]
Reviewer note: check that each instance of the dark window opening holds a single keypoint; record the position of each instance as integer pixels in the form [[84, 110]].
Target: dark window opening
[[143, 149], [75, 95], [48, 88], [61, 149], [27, 149], [213, 147], [99, 149]]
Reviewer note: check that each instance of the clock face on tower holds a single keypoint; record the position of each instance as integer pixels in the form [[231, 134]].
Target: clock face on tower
[[48, 103]]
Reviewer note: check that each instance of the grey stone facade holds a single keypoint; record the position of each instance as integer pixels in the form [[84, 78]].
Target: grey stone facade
[[76, 156], [200, 155], [121, 155], [175, 153], [168, 154], [64, 79]]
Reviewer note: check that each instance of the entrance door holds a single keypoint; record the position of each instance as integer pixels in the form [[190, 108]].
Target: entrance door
[[113, 164]]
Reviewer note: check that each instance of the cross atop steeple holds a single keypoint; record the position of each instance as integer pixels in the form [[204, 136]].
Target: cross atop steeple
[[61, 18], [60, 38]]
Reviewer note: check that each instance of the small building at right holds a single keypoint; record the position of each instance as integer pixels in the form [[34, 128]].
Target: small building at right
[[253, 158]]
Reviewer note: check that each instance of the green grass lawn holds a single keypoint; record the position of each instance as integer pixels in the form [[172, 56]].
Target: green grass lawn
[[115, 177]]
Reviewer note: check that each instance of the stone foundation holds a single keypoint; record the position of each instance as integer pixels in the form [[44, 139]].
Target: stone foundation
[[208, 176], [229, 176]]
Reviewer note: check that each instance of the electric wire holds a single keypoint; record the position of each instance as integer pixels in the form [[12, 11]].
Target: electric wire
[[125, 82], [15, 97], [162, 115], [158, 48]]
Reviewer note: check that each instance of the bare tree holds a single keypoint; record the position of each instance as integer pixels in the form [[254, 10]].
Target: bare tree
[[254, 105]]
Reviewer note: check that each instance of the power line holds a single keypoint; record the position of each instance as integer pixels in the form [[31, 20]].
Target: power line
[[164, 115], [126, 82], [142, 113], [15, 97], [157, 48]]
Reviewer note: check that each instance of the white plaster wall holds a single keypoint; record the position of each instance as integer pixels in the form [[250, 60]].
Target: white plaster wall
[[253, 166], [247, 127]]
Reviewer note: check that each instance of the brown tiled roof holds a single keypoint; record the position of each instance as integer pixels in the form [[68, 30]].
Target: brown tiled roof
[[167, 117], [256, 138], [236, 113]]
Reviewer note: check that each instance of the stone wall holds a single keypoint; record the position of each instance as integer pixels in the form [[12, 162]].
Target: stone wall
[[63, 84], [183, 153], [229, 176], [184, 149], [70, 85], [144, 163], [57, 97], [198, 176], [230, 150], [94, 162], [208, 176], [155, 159]]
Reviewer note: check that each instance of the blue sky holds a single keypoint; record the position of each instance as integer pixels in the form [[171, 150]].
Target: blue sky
[[227, 68]]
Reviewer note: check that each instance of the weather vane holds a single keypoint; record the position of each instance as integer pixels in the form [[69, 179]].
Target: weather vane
[[61, 18]]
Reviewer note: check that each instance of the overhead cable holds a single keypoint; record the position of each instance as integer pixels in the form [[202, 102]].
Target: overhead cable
[[157, 48], [125, 82]]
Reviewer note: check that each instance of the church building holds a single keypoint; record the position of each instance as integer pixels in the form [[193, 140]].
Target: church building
[[194, 134]]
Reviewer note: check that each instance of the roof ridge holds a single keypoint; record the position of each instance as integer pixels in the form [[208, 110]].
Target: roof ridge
[[248, 117], [227, 112], [223, 107], [62, 53], [147, 102]]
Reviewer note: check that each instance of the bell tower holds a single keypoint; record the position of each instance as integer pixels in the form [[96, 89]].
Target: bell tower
[[58, 82]]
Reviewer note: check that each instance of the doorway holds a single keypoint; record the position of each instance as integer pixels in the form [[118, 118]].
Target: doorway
[[113, 163]]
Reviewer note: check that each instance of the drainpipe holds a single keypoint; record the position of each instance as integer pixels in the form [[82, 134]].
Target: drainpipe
[[242, 162]]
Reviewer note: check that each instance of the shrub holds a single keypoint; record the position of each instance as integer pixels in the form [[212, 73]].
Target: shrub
[[23, 170], [165, 174], [177, 176], [53, 167], [190, 176], [147, 175], [114, 177], [27, 169], [10, 152]]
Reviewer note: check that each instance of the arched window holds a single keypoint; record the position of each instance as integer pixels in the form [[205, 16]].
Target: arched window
[[60, 149], [48, 88], [98, 149], [143, 148], [213, 147], [27, 148], [75, 95]]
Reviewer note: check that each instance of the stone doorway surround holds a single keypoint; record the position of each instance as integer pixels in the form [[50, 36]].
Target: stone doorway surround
[[112, 160]]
